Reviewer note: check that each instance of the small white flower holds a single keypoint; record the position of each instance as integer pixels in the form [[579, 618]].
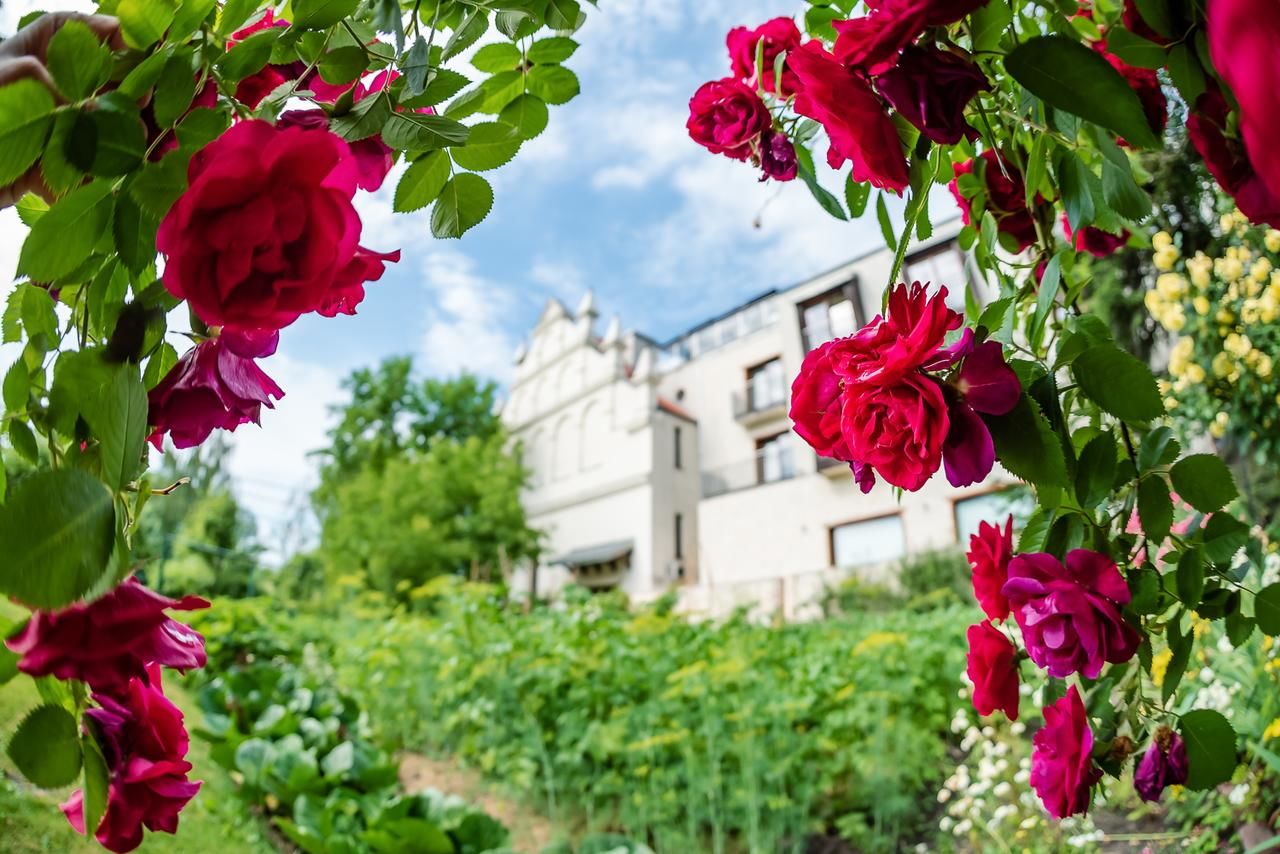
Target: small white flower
[[963, 827], [944, 796], [1017, 728], [946, 823], [1002, 790], [1238, 794]]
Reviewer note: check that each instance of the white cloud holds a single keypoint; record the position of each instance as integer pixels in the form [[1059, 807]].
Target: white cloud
[[465, 324], [562, 277]]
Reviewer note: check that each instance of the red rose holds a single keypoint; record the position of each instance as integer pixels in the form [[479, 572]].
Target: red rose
[[145, 747], [251, 90], [1227, 160], [930, 88], [1062, 770], [1006, 197], [1145, 83], [1244, 42], [778, 157], [992, 671], [872, 42], [985, 384], [215, 385], [915, 328], [898, 430], [857, 126], [989, 552], [816, 402], [266, 231], [1095, 241], [778, 36], [374, 158], [727, 117], [110, 640]]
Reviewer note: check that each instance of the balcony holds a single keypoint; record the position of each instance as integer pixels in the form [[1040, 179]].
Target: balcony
[[768, 465], [750, 409], [832, 468]]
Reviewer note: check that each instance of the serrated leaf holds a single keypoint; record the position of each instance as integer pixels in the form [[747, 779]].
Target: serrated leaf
[[1266, 609], [1180, 648], [528, 114], [1155, 508], [158, 185], [489, 146], [46, 747], [563, 14], [552, 50], [318, 14], [1096, 470], [442, 85], [78, 62], [96, 783], [1224, 535], [825, 199], [24, 441], [62, 239], [499, 56], [1211, 748], [467, 33], [1119, 383], [59, 173], [135, 234], [144, 75], [416, 68], [1027, 446], [422, 182], [1135, 50], [249, 56], [16, 387], [856, 195], [989, 23], [143, 22], [159, 365], [26, 114], [415, 132], [174, 90], [366, 118], [1075, 182], [1158, 447], [464, 202], [1204, 482], [1190, 577], [120, 425], [554, 84], [186, 21], [121, 140], [1185, 72], [1119, 190]]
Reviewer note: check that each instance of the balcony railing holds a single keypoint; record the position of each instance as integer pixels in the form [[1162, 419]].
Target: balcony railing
[[766, 466], [749, 407]]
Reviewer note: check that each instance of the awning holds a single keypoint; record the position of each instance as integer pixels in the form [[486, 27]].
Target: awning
[[594, 555]]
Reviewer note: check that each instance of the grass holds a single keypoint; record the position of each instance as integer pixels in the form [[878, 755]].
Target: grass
[[216, 822]]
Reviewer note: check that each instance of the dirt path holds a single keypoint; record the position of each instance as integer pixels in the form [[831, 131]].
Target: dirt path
[[530, 832]]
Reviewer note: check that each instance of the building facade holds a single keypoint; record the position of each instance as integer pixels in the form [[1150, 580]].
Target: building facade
[[661, 465]]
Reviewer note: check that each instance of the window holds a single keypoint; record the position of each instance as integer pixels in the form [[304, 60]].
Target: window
[[766, 385], [942, 265], [774, 459], [675, 436], [679, 530], [869, 541], [993, 507], [835, 314]]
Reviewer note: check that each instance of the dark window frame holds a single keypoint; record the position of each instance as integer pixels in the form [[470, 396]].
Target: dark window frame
[[850, 289], [679, 536], [752, 405], [679, 447]]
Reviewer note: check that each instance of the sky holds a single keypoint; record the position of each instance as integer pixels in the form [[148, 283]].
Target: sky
[[612, 197]]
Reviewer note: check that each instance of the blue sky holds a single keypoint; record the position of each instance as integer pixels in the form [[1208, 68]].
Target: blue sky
[[612, 197]]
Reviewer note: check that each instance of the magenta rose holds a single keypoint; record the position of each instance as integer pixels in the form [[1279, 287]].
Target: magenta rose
[[1095, 241], [1006, 197], [1163, 765], [1228, 161], [727, 117], [1244, 42], [373, 157], [110, 640], [816, 395], [873, 41], [266, 231], [777, 36], [1070, 615], [1062, 770], [858, 128], [986, 385], [916, 325], [215, 386], [252, 89], [930, 88], [145, 747], [778, 157], [993, 671], [898, 430], [989, 553]]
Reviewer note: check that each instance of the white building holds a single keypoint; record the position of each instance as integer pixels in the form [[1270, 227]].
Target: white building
[[673, 464]]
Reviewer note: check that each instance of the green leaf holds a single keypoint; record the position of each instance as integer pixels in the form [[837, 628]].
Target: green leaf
[[1211, 748], [563, 14], [121, 425], [499, 56], [1156, 14], [26, 112], [1185, 72], [1119, 190], [1027, 446], [489, 146], [143, 22], [1190, 577], [882, 217], [422, 182], [56, 533], [1224, 535], [64, 237], [1046, 293], [1068, 76], [1158, 448], [144, 75], [554, 84], [416, 68], [78, 62], [828, 202], [1075, 181], [96, 783], [1144, 587], [1135, 50], [318, 14], [366, 118], [416, 132], [1119, 383], [1155, 508], [46, 747], [989, 23], [1096, 470], [1204, 482], [441, 86], [24, 441], [464, 202], [857, 194], [134, 231], [174, 90], [552, 50], [249, 56], [472, 28], [17, 387], [121, 138], [528, 114], [158, 185], [1239, 628], [1266, 609], [339, 761], [187, 20], [1180, 645], [159, 365], [60, 174]]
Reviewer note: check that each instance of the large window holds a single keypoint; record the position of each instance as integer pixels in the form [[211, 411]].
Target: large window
[[774, 459], [835, 314], [868, 541], [993, 507], [766, 385], [941, 265]]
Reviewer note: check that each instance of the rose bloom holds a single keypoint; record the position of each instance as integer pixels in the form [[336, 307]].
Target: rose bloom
[[1006, 199], [779, 36], [1244, 42], [1062, 770], [989, 553], [1163, 765], [930, 88], [993, 671], [1095, 241], [1228, 161], [778, 157], [266, 231], [872, 42], [898, 430], [145, 747], [727, 117], [110, 640], [251, 90], [1070, 615], [857, 126], [215, 386], [986, 384]]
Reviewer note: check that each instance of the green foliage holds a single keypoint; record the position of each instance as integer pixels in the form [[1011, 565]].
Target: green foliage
[[45, 747]]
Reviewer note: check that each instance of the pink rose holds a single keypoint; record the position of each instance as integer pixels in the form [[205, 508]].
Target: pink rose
[[989, 553], [872, 42], [373, 157], [215, 386], [993, 671], [898, 430], [780, 35], [1062, 770], [930, 88], [145, 747], [987, 385], [778, 157], [1227, 160], [1244, 42], [1163, 765], [110, 640], [858, 128], [1006, 197], [266, 231], [1070, 615], [1095, 241], [727, 117]]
